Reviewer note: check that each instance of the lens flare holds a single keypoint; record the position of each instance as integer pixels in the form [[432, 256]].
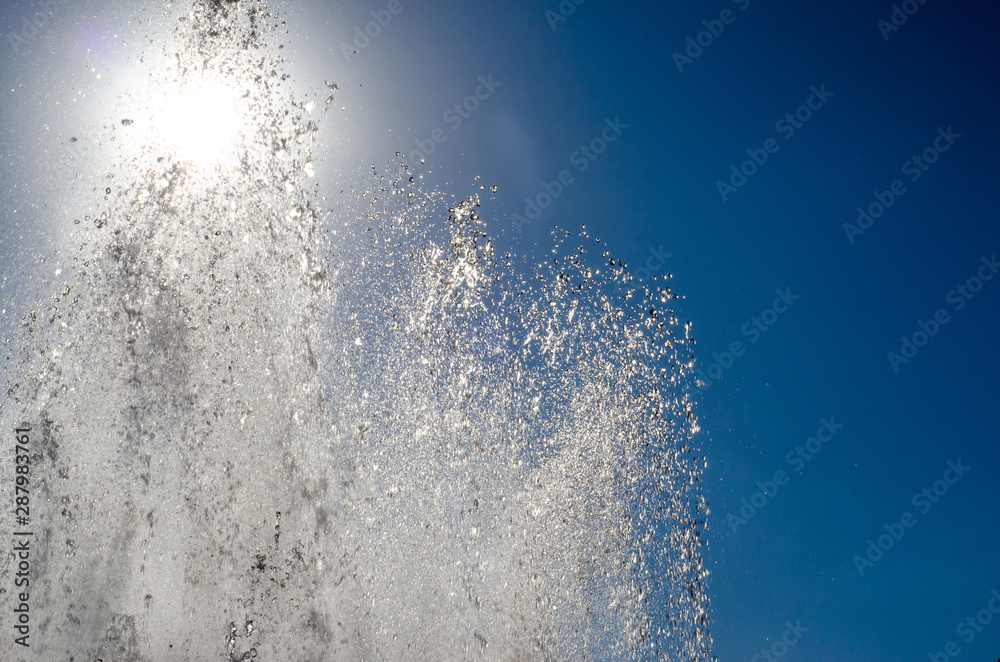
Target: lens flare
[[202, 124]]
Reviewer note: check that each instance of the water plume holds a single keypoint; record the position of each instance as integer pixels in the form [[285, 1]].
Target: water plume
[[275, 425]]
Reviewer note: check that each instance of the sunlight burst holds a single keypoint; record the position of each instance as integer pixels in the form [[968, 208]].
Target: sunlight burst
[[203, 123]]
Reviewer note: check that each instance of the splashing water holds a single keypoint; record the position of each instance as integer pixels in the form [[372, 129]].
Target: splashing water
[[379, 443]]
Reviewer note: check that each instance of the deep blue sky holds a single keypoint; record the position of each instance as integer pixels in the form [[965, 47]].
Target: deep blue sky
[[656, 187], [824, 357]]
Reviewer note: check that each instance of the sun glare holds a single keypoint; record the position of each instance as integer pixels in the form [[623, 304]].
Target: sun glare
[[203, 124]]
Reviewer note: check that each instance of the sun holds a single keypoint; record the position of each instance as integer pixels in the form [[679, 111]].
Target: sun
[[203, 123]]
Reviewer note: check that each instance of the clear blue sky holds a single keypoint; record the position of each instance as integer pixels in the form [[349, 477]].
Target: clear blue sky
[[821, 351], [826, 356]]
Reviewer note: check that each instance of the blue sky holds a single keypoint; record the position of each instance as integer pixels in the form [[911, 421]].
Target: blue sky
[[654, 191], [826, 356]]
